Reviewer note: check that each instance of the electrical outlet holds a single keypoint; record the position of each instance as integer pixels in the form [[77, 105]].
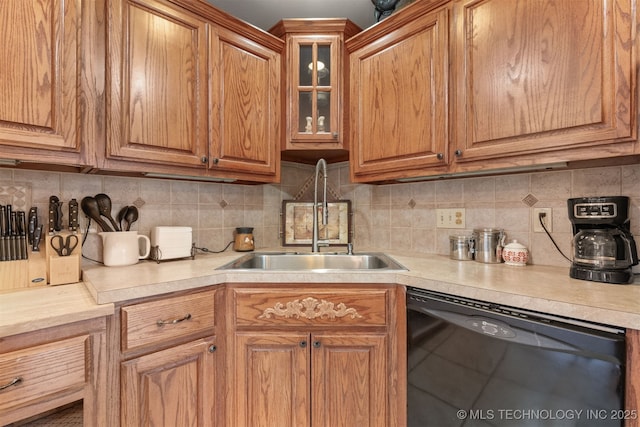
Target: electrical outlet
[[547, 220], [450, 218]]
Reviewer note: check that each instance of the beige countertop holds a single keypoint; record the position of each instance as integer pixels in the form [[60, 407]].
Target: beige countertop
[[39, 308], [538, 288]]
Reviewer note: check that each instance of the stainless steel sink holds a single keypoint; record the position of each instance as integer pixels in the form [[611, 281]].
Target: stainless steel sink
[[313, 262]]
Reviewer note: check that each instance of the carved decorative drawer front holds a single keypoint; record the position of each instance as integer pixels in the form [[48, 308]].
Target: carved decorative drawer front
[[48, 369], [159, 321], [313, 308]]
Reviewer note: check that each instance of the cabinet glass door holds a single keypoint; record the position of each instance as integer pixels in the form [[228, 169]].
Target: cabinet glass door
[[315, 115]]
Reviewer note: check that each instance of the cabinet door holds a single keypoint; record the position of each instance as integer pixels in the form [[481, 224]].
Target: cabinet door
[[173, 387], [272, 379], [349, 380], [399, 99], [315, 73], [39, 74], [157, 73], [245, 105], [535, 76]]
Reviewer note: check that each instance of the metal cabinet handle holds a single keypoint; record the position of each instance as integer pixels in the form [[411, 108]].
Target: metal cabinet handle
[[440, 156], [216, 161], [316, 344], [204, 159], [15, 381], [212, 348], [174, 321], [303, 344], [458, 153]]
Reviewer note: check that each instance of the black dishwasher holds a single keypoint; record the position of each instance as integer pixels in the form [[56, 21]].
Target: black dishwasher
[[474, 363]]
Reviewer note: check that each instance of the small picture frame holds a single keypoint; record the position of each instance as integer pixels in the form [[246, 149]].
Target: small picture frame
[[297, 223]]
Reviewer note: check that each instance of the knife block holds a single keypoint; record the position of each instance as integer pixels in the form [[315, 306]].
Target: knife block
[[26, 273], [62, 269]]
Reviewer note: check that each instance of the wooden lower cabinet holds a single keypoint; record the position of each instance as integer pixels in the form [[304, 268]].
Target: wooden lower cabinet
[[166, 360], [349, 379], [49, 368], [172, 387], [309, 355]]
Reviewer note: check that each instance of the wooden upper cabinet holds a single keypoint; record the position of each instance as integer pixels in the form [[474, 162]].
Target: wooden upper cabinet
[[538, 76], [193, 91], [316, 85], [399, 81], [41, 88], [157, 76], [245, 105]]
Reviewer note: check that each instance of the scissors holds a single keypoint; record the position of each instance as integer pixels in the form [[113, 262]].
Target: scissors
[[63, 246]]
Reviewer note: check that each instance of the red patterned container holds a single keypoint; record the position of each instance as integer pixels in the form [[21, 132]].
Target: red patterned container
[[515, 254]]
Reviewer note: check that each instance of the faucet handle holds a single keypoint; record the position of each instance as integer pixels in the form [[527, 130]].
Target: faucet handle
[[349, 248]]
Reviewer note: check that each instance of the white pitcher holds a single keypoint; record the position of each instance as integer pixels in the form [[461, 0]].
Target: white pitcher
[[123, 248]]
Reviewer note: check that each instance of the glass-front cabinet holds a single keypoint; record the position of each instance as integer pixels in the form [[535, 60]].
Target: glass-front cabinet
[[315, 82], [314, 58]]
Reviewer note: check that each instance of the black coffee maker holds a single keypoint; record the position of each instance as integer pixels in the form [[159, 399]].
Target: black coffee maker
[[603, 247]]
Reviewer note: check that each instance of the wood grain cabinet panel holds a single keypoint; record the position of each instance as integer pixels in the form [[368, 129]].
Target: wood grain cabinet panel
[[245, 105], [317, 87], [53, 367], [157, 322], [349, 382], [157, 61], [317, 355], [173, 387], [45, 369], [46, 63], [271, 379], [295, 308], [190, 96], [540, 76], [399, 117]]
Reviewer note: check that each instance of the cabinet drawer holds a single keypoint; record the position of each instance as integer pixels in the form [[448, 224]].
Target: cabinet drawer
[[158, 321], [256, 307], [42, 370]]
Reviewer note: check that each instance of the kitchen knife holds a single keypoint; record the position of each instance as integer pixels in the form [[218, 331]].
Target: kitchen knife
[[37, 235], [56, 205], [53, 201], [73, 215], [7, 230], [3, 251], [33, 223], [13, 238], [22, 234]]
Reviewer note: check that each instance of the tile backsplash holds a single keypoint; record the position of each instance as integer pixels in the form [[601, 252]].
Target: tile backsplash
[[396, 217]]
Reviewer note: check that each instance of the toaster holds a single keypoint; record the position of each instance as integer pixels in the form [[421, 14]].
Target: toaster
[[171, 243]]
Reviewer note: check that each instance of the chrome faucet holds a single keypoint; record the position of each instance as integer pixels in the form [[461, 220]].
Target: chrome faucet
[[322, 163]]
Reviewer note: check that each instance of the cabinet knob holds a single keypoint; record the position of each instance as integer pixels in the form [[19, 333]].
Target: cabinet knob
[[204, 159], [216, 161], [335, 135], [212, 348], [316, 344], [303, 344], [458, 153], [440, 156]]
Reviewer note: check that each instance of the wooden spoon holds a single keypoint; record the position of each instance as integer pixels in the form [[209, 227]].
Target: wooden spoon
[[131, 216], [121, 215], [104, 204], [91, 209]]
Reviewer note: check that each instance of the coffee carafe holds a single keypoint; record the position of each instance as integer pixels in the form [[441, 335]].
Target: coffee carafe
[[604, 249]]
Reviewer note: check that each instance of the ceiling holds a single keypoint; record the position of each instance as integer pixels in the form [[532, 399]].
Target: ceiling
[[266, 13]]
